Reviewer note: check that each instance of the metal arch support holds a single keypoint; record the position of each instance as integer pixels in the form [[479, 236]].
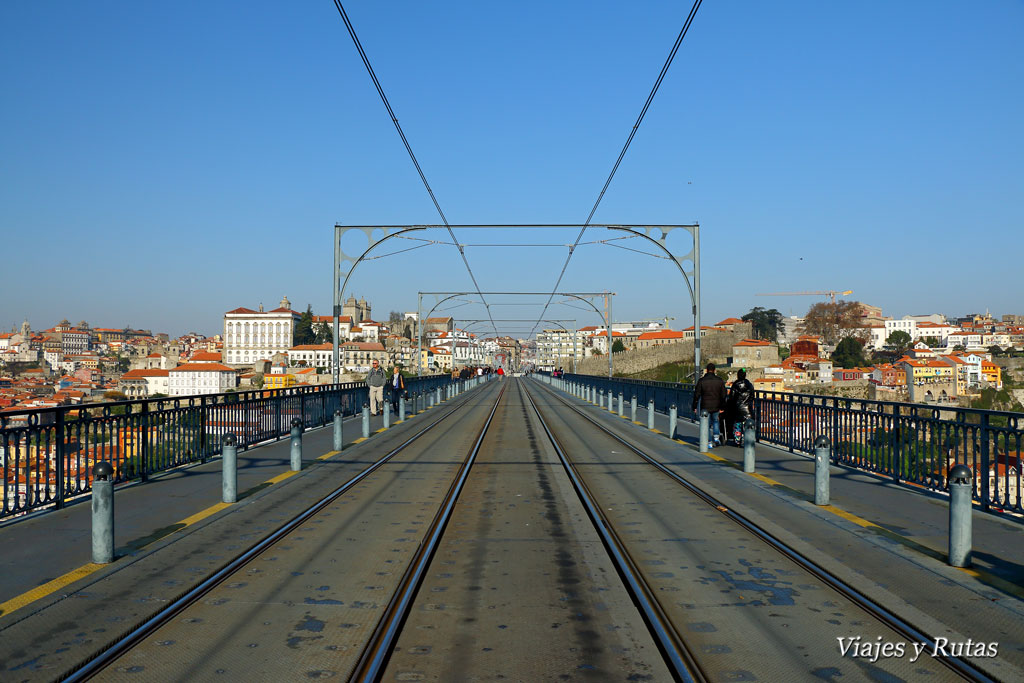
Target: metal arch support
[[345, 263], [693, 256]]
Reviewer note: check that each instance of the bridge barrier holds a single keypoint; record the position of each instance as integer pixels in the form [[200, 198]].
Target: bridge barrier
[[913, 444], [47, 455]]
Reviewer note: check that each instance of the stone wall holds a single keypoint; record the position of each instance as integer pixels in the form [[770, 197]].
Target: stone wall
[[714, 348]]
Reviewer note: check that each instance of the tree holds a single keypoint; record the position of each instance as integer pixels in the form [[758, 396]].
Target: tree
[[596, 352], [832, 321], [849, 353], [767, 322], [304, 333], [959, 347], [324, 333], [900, 341], [932, 342], [618, 346], [995, 350], [114, 395]]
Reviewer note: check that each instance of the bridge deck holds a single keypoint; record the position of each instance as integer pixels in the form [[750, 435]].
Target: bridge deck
[[520, 584]]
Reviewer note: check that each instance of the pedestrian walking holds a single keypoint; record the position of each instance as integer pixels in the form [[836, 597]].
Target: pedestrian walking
[[710, 395], [741, 406], [376, 381], [501, 373], [397, 386]]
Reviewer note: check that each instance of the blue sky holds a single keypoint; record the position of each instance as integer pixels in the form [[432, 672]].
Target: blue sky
[[164, 163]]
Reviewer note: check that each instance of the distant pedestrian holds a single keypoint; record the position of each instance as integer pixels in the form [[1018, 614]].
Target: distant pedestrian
[[397, 386], [501, 373], [376, 381], [709, 395], [741, 406]]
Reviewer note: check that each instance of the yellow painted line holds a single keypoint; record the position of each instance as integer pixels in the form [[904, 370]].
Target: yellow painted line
[[848, 516], [49, 587], [360, 439], [379, 430], [188, 521], [329, 454], [281, 477], [656, 431], [638, 423]]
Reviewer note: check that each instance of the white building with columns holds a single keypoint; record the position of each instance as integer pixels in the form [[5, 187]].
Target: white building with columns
[[201, 378], [251, 336]]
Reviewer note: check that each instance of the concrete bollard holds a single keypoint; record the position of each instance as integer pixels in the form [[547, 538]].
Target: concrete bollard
[[437, 396], [229, 469], [387, 414], [430, 400], [704, 432], [296, 450], [600, 398], [103, 513], [632, 408], [366, 420], [749, 439], [650, 413], [611, 401], [822, 461], [673, 415], [401, 407], [960, 508], [620, 404], [339, 437]]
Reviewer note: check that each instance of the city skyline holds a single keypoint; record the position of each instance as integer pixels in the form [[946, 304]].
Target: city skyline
[[160, 170]]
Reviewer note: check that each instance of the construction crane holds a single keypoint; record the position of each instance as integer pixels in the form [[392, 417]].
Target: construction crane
[[829, 293]]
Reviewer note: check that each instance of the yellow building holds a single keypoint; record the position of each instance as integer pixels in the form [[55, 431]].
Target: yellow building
[[992, 374], [276, 380]]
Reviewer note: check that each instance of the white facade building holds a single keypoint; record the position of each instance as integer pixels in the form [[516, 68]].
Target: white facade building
[[201, 378], [251, 336]]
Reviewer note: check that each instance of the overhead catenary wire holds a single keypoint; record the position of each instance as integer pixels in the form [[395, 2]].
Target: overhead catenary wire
[[408, 148], [625, 147]]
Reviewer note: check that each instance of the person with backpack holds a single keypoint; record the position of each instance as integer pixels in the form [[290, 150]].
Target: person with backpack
[[710, 395], [741, 406]]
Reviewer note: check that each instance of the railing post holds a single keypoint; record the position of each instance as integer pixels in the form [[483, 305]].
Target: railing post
[[632, 408], [229, 469], [673, 415], [296, 444], [822, 461], [366, 420], [339, 439], [749, 438], [143, 448], [620, 404], [650, 413], [60, 454], [792, 421], [960, 485], [387, 414], [897, 444], [102, 513], [705, 424], [986, 463], [401, 407]]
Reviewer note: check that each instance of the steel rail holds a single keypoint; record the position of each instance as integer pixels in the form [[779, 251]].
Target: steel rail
[[683, 664], [375, 655], [134, 636], [911, 633]]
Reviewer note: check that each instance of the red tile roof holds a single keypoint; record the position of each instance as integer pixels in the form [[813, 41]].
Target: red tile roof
[[202, 367]]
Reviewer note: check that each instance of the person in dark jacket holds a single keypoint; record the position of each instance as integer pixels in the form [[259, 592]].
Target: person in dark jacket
[[710, 395], [397, 386], [741, 405], [376, 380]]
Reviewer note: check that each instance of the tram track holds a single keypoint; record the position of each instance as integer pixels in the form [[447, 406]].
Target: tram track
[[140, 633], [960, 667]]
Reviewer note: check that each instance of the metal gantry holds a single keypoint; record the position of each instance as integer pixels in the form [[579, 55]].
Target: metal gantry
[[655, 234], [581, 296]]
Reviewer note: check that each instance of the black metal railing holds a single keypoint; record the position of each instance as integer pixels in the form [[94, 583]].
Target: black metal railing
[[47, 454], [914, 444]]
